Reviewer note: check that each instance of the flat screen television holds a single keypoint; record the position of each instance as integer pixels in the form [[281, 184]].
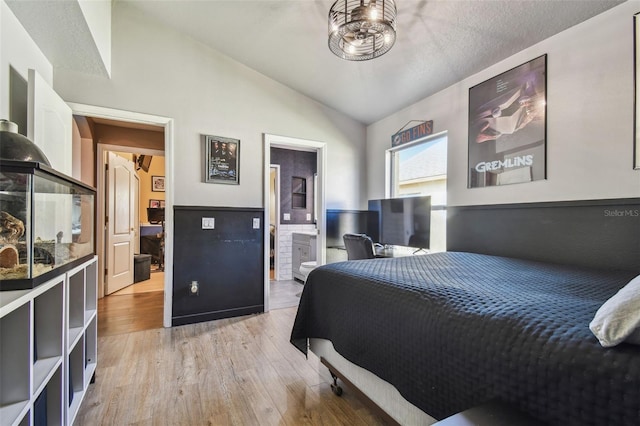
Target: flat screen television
[[340, 222], [403, 221]]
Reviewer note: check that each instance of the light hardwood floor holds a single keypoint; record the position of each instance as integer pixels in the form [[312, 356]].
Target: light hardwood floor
[[238, 371], [134, 308]]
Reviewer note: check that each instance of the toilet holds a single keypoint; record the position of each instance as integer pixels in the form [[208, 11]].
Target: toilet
[[307, 267]]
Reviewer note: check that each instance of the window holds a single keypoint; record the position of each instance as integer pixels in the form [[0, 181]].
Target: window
[[420, 168]]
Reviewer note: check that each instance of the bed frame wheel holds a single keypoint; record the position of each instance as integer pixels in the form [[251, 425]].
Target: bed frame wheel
[[335, 387]]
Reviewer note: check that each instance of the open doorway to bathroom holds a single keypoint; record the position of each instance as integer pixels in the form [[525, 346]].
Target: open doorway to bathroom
[[296, 211], [292, 221]]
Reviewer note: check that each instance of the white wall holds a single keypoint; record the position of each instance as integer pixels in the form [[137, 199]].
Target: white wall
[[18, 50], [98, 16], [158, 71], [589, 119]]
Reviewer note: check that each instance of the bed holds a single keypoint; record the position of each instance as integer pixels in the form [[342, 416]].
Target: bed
[[450, 331]]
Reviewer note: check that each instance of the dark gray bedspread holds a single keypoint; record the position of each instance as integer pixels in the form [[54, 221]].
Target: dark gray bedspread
[[454, 330]]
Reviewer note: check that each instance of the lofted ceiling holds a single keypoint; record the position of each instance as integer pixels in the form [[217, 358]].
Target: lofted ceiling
[[439, 42]]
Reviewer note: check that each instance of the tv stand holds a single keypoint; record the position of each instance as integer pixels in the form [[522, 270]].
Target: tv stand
[[395, 251]]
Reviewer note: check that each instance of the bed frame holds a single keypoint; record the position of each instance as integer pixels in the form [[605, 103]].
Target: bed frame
[[595, 233], [599, 233]]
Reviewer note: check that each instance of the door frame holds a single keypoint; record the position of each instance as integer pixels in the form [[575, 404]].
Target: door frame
[[276, 239], [287, 142], [168, 124]]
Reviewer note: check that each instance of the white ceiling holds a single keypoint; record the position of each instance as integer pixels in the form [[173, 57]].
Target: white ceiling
[[439, 43]]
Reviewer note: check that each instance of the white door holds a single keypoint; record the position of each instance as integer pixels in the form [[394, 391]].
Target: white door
[[120, 238], [49, 123]]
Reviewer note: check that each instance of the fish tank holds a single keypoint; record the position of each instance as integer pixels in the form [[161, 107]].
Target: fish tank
[[47, 224]]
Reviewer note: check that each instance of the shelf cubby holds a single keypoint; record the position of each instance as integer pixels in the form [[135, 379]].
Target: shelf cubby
[[75, 303], [75, 380], [48, 404], [90, 351], [91, 292], [15, 364], [48, 320]]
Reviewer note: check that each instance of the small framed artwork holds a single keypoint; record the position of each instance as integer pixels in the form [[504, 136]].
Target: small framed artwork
[[155, 203], [636, 101], [507, 127], [222, 160], [157, 183]]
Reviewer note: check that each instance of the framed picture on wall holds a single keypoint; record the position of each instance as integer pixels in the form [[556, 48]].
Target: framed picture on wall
[[157, 183], [507, 127], [636, 101], [222, 160], [155, 204]]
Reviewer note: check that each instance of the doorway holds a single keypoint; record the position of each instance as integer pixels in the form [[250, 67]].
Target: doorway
[[139, 153], [274, 214], [128, 157], [317, 213]]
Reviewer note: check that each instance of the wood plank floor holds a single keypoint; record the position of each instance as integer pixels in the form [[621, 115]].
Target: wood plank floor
[[238, 371]]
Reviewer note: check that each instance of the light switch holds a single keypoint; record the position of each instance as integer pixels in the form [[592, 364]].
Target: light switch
[[256, 223], [308, 216], [208, 223], [287, 216]]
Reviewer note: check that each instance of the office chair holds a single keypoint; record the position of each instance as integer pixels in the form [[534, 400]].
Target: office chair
[[359, 246]]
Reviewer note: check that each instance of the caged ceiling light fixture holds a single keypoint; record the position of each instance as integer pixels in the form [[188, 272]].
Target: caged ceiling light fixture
[[359, 30]]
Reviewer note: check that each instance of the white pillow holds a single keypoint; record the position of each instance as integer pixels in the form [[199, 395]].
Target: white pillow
[[618, 319]]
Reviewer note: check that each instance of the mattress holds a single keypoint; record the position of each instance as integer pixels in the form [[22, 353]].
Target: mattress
[[455, 330]]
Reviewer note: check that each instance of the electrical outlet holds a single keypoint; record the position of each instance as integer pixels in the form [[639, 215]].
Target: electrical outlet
[[194, 288], [208, 223], [287, 216], [308, 216], [256, 223]]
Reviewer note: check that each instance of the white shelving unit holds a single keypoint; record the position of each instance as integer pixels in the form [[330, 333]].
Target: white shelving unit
[[48, 345]]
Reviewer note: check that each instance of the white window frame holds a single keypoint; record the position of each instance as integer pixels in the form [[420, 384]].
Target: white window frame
[[390, 161]]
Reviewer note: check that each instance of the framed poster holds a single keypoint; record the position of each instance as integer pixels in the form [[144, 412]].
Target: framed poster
[[636, 101], [507, 127], [222, 160]]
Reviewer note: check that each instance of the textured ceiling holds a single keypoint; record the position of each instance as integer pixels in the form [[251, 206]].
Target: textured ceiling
[[439, 43], [60, 29]]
